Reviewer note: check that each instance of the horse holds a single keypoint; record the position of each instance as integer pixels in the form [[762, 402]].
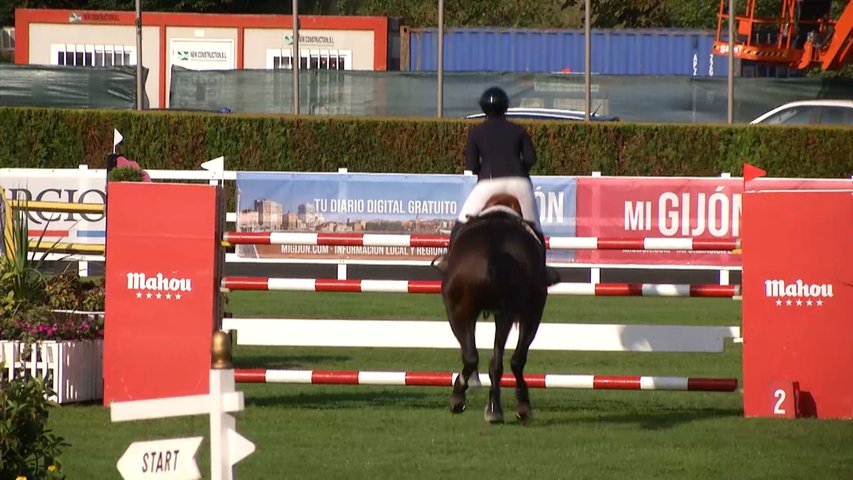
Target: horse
[[495, 266]]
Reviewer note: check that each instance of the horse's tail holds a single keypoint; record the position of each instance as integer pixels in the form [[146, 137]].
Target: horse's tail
[[502, 266]]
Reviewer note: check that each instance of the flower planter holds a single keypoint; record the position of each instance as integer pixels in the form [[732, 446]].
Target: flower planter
[[74, 367]]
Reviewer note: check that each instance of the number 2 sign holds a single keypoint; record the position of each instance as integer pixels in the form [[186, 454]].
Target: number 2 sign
[[785, 399]]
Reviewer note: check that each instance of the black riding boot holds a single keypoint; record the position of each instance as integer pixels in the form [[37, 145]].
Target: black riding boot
[[552, 276], [442, 264]]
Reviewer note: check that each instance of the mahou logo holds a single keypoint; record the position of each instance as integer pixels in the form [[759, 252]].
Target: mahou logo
[[798, 293], [158, 286]]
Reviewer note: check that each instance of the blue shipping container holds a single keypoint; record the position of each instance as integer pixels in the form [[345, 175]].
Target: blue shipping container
[[613, 51]]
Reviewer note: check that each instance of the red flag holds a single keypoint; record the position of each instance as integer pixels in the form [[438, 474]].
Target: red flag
[[751, 172]]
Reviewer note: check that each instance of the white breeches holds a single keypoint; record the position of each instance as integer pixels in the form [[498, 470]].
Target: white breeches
[[519, 187]]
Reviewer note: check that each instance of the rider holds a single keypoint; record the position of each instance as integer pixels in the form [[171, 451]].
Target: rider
[[501, 154]]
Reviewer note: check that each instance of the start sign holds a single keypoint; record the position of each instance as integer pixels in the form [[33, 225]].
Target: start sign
[[798, 304], [170, 459]]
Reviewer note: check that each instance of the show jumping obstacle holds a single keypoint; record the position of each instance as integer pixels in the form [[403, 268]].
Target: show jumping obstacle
[[807, 356], [434, 286], [436, 334], [431, 379], [389, 240]]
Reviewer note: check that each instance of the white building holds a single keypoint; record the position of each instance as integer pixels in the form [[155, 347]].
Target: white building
[[197, 41]]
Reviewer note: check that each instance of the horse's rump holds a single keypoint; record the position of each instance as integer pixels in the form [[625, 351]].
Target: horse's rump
[[496, 255]]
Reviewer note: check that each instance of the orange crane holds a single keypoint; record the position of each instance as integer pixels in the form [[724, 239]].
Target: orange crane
[[802, 37]]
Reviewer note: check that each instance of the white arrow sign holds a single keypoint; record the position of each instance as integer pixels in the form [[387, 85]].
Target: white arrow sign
[[216, 165], [170, 459], [117, 138], [238, 447]]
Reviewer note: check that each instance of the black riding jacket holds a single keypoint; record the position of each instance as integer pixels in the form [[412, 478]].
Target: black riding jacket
[[499, 148]]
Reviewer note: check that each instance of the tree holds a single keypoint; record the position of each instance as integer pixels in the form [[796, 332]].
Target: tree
[[458, 13]]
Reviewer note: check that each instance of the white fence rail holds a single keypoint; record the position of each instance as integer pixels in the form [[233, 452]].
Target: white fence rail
[[74, 368]]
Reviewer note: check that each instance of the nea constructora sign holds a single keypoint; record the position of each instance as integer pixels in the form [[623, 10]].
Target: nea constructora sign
[[203, 54]]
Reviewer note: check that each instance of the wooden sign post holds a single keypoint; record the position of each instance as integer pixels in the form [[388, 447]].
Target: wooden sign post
[[173, 458]]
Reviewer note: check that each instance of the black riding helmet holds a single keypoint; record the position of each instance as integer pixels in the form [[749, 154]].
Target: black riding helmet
[[494, 102]]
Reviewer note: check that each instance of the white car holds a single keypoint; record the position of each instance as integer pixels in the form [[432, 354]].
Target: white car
[[809, 112], [548, 114]]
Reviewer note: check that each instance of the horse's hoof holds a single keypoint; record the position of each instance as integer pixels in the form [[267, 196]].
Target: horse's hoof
[[493, 415], [524, 417], [474, 380], [457, 404]]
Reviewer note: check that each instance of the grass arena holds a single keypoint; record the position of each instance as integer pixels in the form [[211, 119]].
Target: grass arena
[[391, 431], [342, 431]]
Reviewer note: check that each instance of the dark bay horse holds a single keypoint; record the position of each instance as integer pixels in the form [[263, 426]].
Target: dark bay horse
[[495, 266]]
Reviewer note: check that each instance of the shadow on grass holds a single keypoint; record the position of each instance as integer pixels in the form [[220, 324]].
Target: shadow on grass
[[542, 418], [300, 362], [650, 420], [366, 399]]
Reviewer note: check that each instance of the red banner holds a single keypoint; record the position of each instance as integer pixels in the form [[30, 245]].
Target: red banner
[[671, 207], [162, 289], [797, 304]]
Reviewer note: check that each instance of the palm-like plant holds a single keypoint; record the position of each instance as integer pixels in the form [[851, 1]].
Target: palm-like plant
[[22, 284]]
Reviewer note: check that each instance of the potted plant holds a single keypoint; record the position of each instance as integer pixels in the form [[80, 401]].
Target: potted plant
[[51, 327], [127, 170], [126, 174]]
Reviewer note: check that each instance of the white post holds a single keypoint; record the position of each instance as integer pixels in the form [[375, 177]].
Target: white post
[[83, 265], [587, 74], [140, 86], [724, 277], [227, 447], [294, 58], [440, 66], [730, 87], [595, 275], [220, 422]]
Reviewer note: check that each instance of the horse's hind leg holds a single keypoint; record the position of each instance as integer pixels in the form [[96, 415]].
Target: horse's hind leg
[[463, 324], [494, 410], [527, 328]]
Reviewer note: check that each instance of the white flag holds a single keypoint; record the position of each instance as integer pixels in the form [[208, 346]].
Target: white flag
[[117, 138]]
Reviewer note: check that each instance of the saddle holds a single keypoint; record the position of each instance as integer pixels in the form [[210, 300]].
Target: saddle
[[506, 212], [507, 205]]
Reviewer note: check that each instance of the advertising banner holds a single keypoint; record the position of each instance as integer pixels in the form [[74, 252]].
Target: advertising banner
[[669, 207], [373, 203], [162, 278], [797, 304], [202, 53], [78, 186]]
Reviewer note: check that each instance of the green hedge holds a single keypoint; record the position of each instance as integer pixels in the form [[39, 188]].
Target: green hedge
[[54, 138]]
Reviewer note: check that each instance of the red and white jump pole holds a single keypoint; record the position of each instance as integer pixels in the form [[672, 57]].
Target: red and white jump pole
[[434, 286], [446, 379], [554, 243]]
